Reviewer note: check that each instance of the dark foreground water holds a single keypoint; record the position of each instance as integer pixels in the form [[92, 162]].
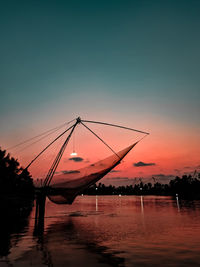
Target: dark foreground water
[[107, 231]]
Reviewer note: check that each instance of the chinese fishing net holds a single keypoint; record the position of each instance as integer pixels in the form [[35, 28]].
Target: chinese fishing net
[[66, 186]]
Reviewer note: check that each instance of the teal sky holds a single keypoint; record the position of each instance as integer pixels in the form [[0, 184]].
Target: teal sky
[[104, 60]]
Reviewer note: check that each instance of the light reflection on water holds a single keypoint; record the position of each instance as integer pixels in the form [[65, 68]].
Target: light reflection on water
[[111, 231]]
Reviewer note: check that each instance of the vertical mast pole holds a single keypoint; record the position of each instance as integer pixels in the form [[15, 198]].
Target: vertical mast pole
[[54, 166]]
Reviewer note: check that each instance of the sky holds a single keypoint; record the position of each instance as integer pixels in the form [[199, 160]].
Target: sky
[[134, 63]]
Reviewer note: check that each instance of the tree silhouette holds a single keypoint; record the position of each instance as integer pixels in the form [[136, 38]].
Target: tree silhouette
[[187, 187], [13, 178]]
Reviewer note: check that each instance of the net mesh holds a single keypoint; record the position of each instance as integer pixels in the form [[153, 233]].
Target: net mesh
[[66, 185]]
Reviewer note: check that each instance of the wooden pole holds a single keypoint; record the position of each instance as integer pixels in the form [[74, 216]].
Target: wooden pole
[[40, 212]]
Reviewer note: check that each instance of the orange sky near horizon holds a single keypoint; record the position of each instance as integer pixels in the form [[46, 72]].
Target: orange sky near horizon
[[131, 63], [166, 151]]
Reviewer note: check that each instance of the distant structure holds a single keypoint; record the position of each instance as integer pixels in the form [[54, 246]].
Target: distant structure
[[66, 186]]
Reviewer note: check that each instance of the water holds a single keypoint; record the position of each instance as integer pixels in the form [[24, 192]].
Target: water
[[108, 231]]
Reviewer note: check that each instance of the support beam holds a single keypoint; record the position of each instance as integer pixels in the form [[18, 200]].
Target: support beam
[[100, 139], [48, 146], [115, 125], [54, 166]]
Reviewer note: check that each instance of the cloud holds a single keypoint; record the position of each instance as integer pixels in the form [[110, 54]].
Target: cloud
[[186, 173], [102, 164], [118, 181], [159, 175], [118, 178], [187, 167], [143, 164], [76, 159], [163, 176], [176, 170], [71, 171]]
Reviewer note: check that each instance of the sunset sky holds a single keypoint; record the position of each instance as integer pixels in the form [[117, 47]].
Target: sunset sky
[[133, 63]]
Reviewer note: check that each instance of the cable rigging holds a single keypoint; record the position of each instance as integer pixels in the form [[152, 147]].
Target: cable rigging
[[55, 163], [44, 134]]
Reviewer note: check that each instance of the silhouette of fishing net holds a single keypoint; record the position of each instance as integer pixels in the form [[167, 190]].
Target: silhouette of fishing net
[[66, 186]]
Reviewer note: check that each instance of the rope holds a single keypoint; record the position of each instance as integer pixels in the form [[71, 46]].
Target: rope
[[57, 159], [47, 133], [78, 120], [115, 125], [22, 149], [100, 139], [48, 146], [141, 138]]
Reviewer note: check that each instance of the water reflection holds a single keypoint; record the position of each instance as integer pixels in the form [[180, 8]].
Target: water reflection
[[113, 231], [96, 203], [13, 224], [177, 201], [142, 204], [73, 234]]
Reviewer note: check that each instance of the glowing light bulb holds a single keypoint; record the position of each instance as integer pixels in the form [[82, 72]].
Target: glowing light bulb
[[73, 154]]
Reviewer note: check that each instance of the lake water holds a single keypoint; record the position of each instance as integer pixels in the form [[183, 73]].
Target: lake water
[[108, 231]]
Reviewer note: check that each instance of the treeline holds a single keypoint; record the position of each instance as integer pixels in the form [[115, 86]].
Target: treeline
[[187, 187], [13, 178], [16, 180], [16, 200]]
